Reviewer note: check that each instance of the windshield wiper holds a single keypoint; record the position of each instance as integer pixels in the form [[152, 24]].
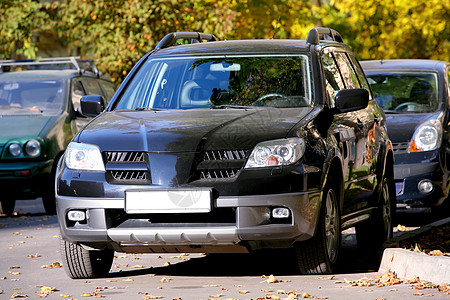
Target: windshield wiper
[[230, 106], [147, 108]]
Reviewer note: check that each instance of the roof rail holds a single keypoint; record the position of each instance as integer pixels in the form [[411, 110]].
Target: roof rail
[[81, 65], [194, 37], [317, 34]]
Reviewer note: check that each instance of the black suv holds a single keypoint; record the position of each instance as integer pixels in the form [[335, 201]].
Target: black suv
[[39, 115], [229, 146]]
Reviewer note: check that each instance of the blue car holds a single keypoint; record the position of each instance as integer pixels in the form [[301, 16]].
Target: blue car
[[414, 95]]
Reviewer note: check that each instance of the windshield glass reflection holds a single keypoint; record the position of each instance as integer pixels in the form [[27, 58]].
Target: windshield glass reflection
[[220, 82], [25, 96]]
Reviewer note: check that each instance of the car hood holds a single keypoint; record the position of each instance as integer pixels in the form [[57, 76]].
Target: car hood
[[401, 127], [189, 130], [13, 127]]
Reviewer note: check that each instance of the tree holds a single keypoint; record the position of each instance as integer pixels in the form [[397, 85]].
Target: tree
[[21, 23], [117, 33], [382, 29]]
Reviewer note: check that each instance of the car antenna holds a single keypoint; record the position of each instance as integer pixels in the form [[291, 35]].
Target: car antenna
[[276, 28]]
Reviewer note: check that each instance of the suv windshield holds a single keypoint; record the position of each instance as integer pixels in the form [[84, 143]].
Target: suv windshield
[[231, 81], [24, 96], [414, 92]]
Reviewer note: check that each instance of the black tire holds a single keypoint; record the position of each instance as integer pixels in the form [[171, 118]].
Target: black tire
[[48, 198], [319, 255], [371, 234], [49, 202], [81, 263], [7, 205]]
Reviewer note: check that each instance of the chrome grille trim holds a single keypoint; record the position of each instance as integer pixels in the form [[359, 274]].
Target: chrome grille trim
[[401, 147], [224, 155], [129, 176], [218, 174], [122, 156]]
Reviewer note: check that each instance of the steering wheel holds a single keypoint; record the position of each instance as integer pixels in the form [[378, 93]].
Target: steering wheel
[[271, 95], [407, 104]]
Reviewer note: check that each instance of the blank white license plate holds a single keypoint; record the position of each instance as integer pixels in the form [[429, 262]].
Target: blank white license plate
[[168, 201]]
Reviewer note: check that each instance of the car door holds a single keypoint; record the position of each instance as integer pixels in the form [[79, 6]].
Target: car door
[[351, 131]]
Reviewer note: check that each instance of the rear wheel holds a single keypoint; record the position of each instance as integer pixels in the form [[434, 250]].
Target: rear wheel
[[81, 263], [319, 255], [7, 204], [373, 233]]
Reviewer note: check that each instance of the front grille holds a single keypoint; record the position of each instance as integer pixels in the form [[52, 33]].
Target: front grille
[[401, 147], [129, 176], [118, 218], [220, 164], [127, 167], [122, 156], [224, 154]]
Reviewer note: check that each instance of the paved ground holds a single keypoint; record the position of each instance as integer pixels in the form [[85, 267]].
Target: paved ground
[[30, 268]]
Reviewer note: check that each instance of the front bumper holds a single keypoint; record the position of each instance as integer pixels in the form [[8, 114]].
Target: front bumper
[[237, 224], [407, 178], [25, 180]]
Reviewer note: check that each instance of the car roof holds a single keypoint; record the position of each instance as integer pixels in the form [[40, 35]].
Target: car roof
[[403, 64], [236, 47]]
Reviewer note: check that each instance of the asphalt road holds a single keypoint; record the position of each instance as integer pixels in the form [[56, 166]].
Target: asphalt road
[[30, 267]]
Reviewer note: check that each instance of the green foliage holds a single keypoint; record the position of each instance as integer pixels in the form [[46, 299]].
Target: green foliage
[[20, 21], [116, 33]]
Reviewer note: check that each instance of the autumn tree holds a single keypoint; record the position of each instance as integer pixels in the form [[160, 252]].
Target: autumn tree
[[383, 29], [20, 23], [117, 33]]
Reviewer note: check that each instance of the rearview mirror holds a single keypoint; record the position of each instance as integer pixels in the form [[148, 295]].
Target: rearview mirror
[[92, 105], [351, 100]]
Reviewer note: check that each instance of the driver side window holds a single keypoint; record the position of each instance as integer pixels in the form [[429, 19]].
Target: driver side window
[[333, 79]]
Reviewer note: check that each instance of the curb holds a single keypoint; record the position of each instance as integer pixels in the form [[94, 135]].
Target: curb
[[406, 264]]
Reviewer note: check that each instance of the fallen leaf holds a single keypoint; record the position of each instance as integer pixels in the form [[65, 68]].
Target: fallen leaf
[[14, 267], [306, 295], [33, 256], [243, 291], [272, 279], [402, 227], [165, 279], [18, 295], [56, 265], [86, 295]]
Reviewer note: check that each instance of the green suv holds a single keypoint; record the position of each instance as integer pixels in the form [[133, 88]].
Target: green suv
[[39, 114]]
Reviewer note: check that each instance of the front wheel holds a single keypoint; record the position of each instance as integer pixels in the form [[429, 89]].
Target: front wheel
[[372, 233], [319, 255], [79, 262]]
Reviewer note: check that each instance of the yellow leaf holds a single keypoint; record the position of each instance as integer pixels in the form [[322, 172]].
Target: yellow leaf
[[272, 279]]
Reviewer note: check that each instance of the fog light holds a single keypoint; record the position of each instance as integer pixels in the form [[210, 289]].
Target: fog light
[[280, 213], [425, 186], [76, 215]]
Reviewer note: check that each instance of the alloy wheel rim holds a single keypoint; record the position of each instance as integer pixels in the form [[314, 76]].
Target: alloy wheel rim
[[331, 226]]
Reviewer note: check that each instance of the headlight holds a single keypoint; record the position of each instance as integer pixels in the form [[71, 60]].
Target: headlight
[[428, 136], [84, 157], [15, 149], [32, 148], [276, 153]]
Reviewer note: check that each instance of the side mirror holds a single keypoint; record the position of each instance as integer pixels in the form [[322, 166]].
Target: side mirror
[[351, 100], [92, 105]]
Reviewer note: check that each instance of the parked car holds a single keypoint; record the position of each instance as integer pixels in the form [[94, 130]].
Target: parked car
[[39, 115], [229, 146], [415, 97]]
